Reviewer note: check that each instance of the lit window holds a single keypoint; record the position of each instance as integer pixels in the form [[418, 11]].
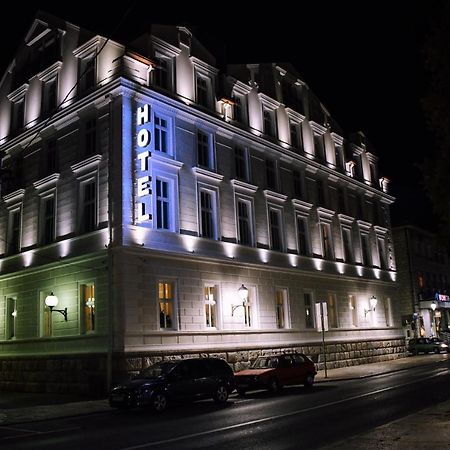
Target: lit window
[[166, 307], [332, 311], [87, 295], [353, 310], [281, 308], [309, 317], [210, 306], [327, 244], [11, 317]]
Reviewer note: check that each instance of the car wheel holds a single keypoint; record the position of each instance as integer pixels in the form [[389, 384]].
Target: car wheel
[[309, 380], [159, 401], [241, 392], [221, 394], [437, 350], [273, 386]]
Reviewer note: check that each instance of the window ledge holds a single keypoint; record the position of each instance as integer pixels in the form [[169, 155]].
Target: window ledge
[[14, 197], [46, 182], [86, 165], [207, 175]]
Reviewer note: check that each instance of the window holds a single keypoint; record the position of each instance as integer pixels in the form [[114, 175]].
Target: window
[[90, 143], [245, 235], [347, 241], [162, 205], [373, 175], [341, 200], [302, 236], [275, 229], [87, 73], [50, 163], [166, 305], [239, 108], [11, 317], [365, 250], [162, 73], [340, 162], [18, 114], [281, 308], [87, 296], [298, 184], [88, 208], [202, 90], [295, 132], [320, 193], [309, 317], [327, 244], [208, 214], [210, 306], [205, 151], [382, 253], [50, 95], [47, 223], [161, 134], [269, 122], [271, 174], [353, 310], [45, 320], [388, 312], [332, 311], [319, 147], [241, 163], [14, 230]]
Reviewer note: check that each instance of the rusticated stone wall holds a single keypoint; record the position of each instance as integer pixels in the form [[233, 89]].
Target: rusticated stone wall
[[87, 374]]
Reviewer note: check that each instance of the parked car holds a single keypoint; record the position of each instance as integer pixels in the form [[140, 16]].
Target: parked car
[[166, 381], [275, 371], [427, 345]]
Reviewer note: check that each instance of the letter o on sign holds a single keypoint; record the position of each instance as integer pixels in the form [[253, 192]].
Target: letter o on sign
[[143, 138]]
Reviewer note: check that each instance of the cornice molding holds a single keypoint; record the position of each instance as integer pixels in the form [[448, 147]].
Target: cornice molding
[[47, 182], [274, 196], [14, 197], [86, 165], [244, 187], [207, 175]]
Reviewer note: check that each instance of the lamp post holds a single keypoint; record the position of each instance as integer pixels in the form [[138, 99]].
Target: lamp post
[[433, 318], [373, 304], [51, 301]]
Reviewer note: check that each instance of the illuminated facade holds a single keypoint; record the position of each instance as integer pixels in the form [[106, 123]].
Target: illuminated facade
[[423, 277], [144, 197]]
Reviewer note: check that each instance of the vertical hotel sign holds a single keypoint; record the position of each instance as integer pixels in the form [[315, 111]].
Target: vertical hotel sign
[[144, 180]]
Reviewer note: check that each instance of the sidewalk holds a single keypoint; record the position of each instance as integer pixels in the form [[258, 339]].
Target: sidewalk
[[20, 407]]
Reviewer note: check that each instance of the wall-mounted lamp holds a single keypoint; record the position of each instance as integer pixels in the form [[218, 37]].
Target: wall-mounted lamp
[[243, 295], [433, 306], [373, 304], [51, 301]]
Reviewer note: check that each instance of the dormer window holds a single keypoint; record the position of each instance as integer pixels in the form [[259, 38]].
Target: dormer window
[[87, 66], [203, 89], [49, 80], [17, 99], [269, 122], [319, 147], [162, 73]]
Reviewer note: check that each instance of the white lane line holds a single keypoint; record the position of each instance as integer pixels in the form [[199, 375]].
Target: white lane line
[[34, 432], [279, 416]]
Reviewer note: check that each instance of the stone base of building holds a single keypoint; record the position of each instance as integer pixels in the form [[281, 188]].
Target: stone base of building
[[87, 374]]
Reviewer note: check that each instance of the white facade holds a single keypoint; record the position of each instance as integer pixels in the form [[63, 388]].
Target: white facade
[[147, 199]]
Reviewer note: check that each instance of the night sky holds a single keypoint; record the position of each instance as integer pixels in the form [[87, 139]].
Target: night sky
[[364, 62]]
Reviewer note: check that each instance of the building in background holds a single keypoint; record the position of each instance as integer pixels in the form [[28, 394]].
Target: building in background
[[423, 275], [154, 207]]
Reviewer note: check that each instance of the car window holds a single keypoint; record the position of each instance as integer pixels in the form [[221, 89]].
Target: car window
[[265, 362], [218, 366], [285, 362], [298, 359], [159, 369]]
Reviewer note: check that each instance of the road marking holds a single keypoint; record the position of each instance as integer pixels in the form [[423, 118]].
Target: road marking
[[279, 416], [34, 432]]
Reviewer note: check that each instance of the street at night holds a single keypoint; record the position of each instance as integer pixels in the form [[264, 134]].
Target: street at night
[[296, 418]]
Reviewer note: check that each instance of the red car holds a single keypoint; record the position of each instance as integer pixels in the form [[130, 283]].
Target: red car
[[275, 371]]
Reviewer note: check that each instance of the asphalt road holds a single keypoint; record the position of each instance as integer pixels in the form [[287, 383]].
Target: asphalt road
[[296, 418]]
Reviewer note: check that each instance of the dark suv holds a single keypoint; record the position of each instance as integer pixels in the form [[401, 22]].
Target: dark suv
[[184, 379]]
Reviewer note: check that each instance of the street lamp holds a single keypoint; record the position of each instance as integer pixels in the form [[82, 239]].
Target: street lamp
[[51, 301], [373, 304], [243, 295], [433, 307]]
